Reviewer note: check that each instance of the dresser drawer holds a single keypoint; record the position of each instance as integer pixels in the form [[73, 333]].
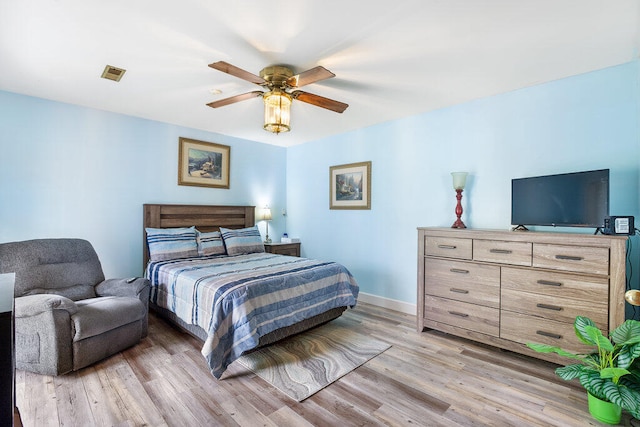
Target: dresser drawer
[[523, 329], [560, 285], [581, 259], [504, 252], [290, 249], [449, 247], [463, 281], [464, 315], [553, 308]]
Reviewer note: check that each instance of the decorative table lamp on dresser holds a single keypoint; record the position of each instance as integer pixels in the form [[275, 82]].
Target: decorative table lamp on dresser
[[459, 181]]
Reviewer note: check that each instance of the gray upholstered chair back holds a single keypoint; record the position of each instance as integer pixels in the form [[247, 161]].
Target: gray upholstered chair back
[[51, 264]]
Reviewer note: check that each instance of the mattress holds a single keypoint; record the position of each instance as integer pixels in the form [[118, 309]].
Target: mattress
[[237, 300]]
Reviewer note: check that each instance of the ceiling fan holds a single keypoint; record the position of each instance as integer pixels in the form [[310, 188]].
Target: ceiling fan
[[278, 81]]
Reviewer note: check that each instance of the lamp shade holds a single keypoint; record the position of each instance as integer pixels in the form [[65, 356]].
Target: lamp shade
[[459, 180], [265, 214], [277, 111]]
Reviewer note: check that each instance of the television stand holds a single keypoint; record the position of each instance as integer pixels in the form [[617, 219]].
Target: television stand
[[506, 289], [520, 227]]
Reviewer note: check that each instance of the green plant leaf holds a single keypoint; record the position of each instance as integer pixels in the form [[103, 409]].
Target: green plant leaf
[[627, 398], [544, 348], [627, 333], [627, 355], [613, 373], [579, 326], [635, 373], [593, 359], [592, 382], [632, 384], [633, 387], [634, 350], [598, 338], [570, 372]]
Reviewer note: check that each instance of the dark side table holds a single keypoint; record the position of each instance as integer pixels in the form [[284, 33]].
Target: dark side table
[[8, 412], [291, 249]]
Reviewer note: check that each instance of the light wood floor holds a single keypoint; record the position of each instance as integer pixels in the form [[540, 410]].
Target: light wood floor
[[427, 379]]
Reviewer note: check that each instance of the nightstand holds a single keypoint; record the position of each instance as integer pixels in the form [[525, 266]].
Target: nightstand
[[291, 249]]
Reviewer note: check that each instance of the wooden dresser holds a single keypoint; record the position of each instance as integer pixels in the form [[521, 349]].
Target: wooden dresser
[[507, 288]]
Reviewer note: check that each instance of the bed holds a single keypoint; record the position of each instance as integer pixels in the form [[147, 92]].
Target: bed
[[241, 299]]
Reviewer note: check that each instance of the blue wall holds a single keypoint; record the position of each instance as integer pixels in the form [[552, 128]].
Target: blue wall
[[69, 171], [585, 122]]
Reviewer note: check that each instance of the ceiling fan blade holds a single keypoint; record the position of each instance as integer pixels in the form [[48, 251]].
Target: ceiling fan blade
[[234, 99], [310, 76], [320, 101], [225, 67]]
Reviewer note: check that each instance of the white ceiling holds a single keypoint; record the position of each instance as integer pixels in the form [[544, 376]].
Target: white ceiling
[[391, 58]]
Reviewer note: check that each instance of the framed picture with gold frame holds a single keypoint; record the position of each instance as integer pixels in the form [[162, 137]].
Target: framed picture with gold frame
[[203, 164], [350, 186]]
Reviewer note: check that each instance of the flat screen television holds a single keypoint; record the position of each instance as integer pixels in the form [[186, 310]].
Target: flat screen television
[[578, 199]]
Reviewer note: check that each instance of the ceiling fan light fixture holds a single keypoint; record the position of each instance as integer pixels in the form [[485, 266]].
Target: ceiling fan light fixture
[[279, 81], [277, 111]]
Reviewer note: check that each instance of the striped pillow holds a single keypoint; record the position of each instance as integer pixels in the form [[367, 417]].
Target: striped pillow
[[210, 243], [171, 243], [242, 241]]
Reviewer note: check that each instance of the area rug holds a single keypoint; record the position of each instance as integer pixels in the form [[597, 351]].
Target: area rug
[[304, 364]]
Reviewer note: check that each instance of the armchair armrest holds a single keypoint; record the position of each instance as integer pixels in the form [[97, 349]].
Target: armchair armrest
[[32, 305], [123, 288]]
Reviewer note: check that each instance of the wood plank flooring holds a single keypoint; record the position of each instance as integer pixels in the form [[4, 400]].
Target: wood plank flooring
[[427, 379]]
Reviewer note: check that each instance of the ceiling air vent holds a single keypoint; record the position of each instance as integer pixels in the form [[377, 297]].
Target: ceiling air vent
[[113, 73]]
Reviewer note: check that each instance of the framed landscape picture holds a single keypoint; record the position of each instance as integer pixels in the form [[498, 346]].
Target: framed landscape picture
[[350, 186], [203, 164]]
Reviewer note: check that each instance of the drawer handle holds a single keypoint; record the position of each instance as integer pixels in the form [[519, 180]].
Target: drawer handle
[[549, 307], [548, 283], [446, 246], [455, 313], [459, 291], [549, 334], [500, 251], [459, 270], [569, 257]]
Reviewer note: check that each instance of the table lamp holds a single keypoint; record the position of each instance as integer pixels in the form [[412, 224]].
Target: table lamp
[[459, 181], [265, 215]]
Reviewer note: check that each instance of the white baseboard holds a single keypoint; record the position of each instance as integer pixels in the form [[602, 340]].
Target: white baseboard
[[392, 304]]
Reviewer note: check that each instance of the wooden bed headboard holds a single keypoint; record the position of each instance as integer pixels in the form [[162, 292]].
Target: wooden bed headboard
[[204, 217]]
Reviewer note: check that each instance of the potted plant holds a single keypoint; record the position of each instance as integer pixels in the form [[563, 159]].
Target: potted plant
[[611, 373]]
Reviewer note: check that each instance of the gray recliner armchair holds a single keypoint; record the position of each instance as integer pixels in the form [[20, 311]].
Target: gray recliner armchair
[[67, 316]]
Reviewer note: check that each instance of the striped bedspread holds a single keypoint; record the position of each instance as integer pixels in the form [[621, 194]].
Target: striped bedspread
[[238, 299]]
